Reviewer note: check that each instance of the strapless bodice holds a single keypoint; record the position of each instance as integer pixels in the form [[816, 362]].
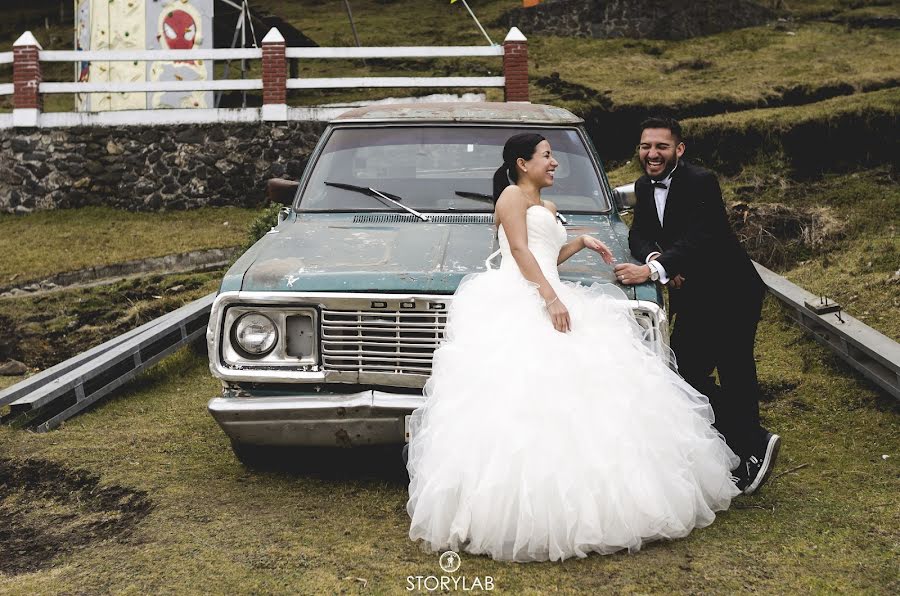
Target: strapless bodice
[[545, 237]]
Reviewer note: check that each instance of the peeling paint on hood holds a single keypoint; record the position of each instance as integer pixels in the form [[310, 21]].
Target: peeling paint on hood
[[330, 253]]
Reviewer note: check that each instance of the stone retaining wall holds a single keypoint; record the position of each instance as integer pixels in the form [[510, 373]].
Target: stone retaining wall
[[147, 168]]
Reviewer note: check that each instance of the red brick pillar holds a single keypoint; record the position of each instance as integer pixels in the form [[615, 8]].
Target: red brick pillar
[[26, 80], [515, 65], [274, 76]]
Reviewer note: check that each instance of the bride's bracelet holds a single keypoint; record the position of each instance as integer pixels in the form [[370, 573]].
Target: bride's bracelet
[[549, 304]]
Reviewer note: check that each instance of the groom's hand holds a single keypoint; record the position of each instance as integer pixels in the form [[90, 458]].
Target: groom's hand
[[675, 282], [630, 274]]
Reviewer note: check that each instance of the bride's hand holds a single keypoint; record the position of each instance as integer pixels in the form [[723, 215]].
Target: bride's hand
[[600, 248], [559, 315]]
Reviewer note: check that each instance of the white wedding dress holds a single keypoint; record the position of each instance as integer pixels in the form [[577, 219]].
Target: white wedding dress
[[535, 445]]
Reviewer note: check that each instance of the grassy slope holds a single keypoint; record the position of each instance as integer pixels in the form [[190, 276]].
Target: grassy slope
[[776, 120], [827, 527], [745, 66], [858, 270], [44, 243]]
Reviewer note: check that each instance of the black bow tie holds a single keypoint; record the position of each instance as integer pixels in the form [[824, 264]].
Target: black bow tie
[[658, 184]]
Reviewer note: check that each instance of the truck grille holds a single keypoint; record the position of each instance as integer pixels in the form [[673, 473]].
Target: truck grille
[[381, 341]]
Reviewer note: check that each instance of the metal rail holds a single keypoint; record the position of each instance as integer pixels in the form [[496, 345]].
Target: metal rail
[[46, 400], [875, 355], [34, 382]]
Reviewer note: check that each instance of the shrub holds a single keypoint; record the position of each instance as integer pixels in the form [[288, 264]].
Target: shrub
[[265, 221]]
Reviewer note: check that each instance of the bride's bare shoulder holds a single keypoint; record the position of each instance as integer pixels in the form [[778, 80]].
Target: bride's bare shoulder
[[551, 206], [512, 196], [511, 203]]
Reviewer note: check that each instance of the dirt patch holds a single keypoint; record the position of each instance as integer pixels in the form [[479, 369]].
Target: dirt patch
[[8, 341], [47, 511], [654, 19], [869, 21], [573, 91], [778, 236], [693, 64], [771, 391]]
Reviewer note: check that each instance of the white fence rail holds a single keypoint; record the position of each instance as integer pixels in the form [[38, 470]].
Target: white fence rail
[[389, 82], [147, 86], [148, 55], [274, 82], [395, 52]]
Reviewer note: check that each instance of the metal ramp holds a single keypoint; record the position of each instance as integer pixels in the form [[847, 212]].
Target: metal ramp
[[45, 400], [875, 355]]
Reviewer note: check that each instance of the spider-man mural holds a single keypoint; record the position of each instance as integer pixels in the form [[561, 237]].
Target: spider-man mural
[[179, 30], [181, 25]]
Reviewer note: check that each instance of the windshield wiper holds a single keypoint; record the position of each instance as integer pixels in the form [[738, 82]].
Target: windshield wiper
[[383, 197], [490, 199], [477, 196]]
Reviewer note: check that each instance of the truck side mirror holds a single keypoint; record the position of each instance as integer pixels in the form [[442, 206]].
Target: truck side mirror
[[281, 191], [625, 197]]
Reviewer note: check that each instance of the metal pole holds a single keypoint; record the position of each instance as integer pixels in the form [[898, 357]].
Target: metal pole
[[353, 26], [233, 43], [77, 65], [244, 14], [477, 22]]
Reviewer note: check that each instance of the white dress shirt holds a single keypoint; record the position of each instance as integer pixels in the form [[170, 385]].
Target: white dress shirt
[[660, 195]]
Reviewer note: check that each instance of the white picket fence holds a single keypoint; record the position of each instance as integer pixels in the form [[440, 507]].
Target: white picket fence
[[6, 88], [514, 43]]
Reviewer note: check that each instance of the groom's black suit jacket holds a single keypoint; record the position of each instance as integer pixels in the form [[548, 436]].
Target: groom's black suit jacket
[[697, 242]]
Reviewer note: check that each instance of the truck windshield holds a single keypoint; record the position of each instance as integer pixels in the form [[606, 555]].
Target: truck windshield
[[441, 168]]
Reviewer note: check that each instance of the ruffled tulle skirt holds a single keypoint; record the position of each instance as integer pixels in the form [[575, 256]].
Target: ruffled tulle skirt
[[536, 445]]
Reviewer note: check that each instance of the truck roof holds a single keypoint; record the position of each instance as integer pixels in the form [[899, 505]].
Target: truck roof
[[495, 112]]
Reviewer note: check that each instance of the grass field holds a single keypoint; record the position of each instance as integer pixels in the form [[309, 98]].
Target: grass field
[[142, 494], [48, 242], [330, 522]]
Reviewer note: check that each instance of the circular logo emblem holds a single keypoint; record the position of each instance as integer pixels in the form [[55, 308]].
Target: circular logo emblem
[[450, 561]]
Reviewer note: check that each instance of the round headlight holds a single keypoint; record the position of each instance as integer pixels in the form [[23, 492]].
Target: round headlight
[[255, 333]]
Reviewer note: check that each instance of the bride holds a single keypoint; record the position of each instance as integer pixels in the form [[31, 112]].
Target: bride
[[549, 429]]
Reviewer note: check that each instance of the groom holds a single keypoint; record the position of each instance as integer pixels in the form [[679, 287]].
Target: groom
[[681, 232]]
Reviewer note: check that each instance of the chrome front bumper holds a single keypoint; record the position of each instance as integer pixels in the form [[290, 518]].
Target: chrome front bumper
[[316, 419]]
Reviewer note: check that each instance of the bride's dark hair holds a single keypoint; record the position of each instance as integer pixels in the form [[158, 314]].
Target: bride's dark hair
[[520, 145]]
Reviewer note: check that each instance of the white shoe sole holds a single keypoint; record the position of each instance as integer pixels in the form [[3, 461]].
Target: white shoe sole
[[765, 470]]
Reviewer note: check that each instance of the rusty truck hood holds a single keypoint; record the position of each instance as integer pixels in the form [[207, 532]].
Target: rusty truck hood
[[331, 253]]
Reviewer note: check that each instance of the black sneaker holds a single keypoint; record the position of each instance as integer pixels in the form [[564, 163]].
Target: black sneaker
[[755, 470], [739, 476]]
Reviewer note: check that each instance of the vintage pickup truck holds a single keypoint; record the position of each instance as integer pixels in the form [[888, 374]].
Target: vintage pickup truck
[[323, 332]]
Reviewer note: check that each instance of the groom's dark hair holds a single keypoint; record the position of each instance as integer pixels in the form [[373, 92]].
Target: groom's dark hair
[[664, 122]]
